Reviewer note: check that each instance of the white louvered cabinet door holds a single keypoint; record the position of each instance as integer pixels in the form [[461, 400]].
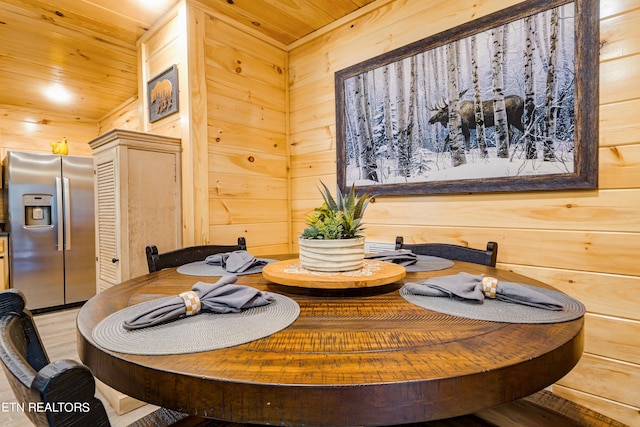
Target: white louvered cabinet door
[[108, 248], [138, 201]]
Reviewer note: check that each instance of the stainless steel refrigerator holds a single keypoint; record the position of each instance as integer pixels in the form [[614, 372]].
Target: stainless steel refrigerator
[[49, 214]]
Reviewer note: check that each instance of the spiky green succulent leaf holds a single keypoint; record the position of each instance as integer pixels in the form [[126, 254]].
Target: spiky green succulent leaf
[[328, 198], [337, 218]]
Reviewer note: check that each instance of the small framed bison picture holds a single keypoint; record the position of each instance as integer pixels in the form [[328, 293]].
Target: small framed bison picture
[[507, 102], [162, 94]]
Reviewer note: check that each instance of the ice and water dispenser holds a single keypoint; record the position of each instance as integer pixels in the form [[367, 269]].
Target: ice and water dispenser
[[37, 209]]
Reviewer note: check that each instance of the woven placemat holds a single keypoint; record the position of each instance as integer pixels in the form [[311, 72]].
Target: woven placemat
[[501, 311], [429, 263], [202, 332], [201, 268]]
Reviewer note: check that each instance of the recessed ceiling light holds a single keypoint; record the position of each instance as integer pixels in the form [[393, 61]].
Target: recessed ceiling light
[[58, 93], [30, 125]]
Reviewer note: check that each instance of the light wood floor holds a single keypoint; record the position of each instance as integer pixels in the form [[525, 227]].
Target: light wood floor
[[58, 332]]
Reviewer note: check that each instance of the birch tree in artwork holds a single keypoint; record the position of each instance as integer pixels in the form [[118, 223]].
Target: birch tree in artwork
[[551, 74], [433, 59], [411, 116], [387, 112], [477, 100], [401, 118], [367, 150], [421, 100], [351, 124], [456, 138], [499, 109], [528, 119]]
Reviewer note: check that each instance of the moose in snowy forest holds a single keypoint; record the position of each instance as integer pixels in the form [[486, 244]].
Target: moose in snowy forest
[[513, 104]]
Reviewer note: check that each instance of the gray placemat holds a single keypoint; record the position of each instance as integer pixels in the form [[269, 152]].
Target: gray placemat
[[429, 263], [501, 311], [202, 332], [201, 268]]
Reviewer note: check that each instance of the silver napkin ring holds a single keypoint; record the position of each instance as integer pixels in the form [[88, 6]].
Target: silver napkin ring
[[489, 286], [191, 302]]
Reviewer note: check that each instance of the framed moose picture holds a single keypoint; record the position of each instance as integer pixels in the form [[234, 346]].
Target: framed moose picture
[[508, 102]]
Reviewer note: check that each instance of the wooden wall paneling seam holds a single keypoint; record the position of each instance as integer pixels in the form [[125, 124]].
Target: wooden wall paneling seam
[[615, 210], [604, 252], [246, 83], [612, 337], [241, 62], [233, 210], [619, 34], [619, 116], [126, 116], [235, 136], [111, 27], [251, 49], [290, 236], [198, 116], [238, 112], [615, 76], [212, 9], [260, 236], [614, 380], [613, 295], [620, 165], [227, 186], [248, 164], [329, 28], [619, 411]]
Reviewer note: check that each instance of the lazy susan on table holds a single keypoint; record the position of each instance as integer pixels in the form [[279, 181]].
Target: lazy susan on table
[[373, 273]]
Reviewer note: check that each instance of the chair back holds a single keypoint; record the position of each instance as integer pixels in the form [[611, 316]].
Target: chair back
[[454, 252], [61, 393], [157, 261]]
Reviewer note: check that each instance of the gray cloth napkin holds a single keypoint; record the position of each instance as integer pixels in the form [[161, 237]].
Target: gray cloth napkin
[[234, 262], [468, 287], [220, 297], [399, 256]]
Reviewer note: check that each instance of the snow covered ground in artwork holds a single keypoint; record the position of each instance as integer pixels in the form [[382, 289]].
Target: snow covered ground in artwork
[[428, 166]]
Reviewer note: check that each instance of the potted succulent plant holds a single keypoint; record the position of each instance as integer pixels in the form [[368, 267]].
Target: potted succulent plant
[[333, 241]]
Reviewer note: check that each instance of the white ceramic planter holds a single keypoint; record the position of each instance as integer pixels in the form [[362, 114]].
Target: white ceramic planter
[[332, 255]]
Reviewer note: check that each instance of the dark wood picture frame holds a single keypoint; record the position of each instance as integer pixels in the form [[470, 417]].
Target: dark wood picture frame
[[376, 153], [162, 94]]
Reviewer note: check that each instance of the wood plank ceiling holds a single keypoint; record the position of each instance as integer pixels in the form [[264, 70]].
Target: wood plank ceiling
[[89, 46]]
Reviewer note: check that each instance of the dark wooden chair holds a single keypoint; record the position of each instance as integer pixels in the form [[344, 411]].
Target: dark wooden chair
[[454, 252], [60, 393], [157, 261]]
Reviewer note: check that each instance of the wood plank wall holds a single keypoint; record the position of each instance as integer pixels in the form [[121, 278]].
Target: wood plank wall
[[24, 129], [248, 155], [585, 243], [126, 117], [235, 156], [161, 47]]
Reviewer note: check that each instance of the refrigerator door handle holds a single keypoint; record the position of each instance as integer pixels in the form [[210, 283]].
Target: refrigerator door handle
[[60, 241], [67, 213]]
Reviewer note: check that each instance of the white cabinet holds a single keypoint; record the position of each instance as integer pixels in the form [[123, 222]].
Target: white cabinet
[[138, 201]]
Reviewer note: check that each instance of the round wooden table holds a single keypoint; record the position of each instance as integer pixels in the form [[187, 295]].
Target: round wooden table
[[363, 358]]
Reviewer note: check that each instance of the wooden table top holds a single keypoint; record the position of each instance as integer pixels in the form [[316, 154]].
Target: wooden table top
[[362, 357]]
